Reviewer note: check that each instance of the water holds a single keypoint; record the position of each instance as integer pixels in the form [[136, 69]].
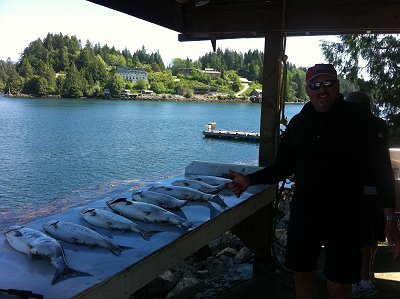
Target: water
[[56, 154]]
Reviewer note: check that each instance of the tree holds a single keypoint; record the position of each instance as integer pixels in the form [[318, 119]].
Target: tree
[[74, 83], [115, 84], [140, 84], [12, 80], [373, 57], [296, 90], [372, 62]]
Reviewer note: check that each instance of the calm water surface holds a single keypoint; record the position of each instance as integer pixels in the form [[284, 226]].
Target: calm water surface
[[56, 154]]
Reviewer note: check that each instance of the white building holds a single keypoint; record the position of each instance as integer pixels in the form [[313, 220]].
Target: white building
[[132, 73]]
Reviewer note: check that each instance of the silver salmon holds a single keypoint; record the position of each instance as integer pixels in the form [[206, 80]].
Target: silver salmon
[[159, 199], [209, 179], [110, 220], [145, 212], [34, 242], [79, 234], [199, 185], [186, 193]]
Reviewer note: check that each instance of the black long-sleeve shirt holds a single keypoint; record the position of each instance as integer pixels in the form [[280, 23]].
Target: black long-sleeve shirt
[[332, 155]]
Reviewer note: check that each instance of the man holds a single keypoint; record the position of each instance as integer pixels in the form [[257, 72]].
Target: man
[[373, 224], [327, 146]]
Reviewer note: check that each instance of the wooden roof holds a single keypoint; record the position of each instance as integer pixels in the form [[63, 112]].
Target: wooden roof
[[220, 19]]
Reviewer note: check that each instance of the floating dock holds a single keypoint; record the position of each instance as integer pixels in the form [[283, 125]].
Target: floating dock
[[212, 132]]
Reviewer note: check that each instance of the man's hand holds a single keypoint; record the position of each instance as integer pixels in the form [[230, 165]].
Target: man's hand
[[239, 183]]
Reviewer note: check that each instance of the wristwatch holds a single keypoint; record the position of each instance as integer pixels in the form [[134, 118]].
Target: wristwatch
[[391, 218]]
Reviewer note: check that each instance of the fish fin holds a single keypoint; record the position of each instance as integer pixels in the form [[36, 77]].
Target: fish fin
[[121, 247], [65, 273], [118, 249]]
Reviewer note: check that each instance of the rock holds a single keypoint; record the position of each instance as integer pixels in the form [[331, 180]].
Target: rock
[[182, 270], [202, 274], [227, 251], [185, 287], [159, 287], [244, 254]]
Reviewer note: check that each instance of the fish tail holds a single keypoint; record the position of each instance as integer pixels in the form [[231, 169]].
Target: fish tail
[[116, 251], [63, 273], [213, 211], [186, 224], [148, 234], [219, 201]]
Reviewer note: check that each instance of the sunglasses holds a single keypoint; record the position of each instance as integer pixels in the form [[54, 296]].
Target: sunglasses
[[318, 85]]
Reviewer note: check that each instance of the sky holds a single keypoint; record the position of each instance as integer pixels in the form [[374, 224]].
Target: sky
[[23, 21]]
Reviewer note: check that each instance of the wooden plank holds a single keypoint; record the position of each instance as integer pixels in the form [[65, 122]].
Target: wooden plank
[[144, 271]]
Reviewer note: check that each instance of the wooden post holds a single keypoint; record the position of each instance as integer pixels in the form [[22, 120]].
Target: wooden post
[[255, 231]]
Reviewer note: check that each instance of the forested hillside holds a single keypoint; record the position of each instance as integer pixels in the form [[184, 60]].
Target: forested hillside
[[60, 65]]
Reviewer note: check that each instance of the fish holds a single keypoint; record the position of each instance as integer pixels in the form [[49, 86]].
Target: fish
[[186, 193], [34, 242], [159, 199], [209, 179], [142, 211], [79, 234], [199, 185], [110, 220]]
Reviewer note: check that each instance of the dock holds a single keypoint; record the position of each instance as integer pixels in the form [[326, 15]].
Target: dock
[[213, 132]]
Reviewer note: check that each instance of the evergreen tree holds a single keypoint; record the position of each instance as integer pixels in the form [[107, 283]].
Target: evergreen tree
[[372, 62], [74, 84]]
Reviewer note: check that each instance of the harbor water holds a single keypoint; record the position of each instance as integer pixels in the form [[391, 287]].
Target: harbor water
[[60, 153]]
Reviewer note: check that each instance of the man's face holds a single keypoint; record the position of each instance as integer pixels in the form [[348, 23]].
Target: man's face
[[323, 98]]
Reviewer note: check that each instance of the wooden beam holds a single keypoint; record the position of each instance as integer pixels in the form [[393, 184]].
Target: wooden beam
[[307, 17], [168, 14], [300, 19], [269, 126]]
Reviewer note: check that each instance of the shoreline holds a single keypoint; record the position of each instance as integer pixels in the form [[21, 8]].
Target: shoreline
[[166, 98]]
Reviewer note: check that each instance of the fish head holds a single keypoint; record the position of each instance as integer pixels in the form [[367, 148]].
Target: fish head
[[51, 223], [88, 211], [111, 202], [13, 228]]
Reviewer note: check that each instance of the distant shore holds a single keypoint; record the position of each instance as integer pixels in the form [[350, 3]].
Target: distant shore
[[170, 98], [167, 98]]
